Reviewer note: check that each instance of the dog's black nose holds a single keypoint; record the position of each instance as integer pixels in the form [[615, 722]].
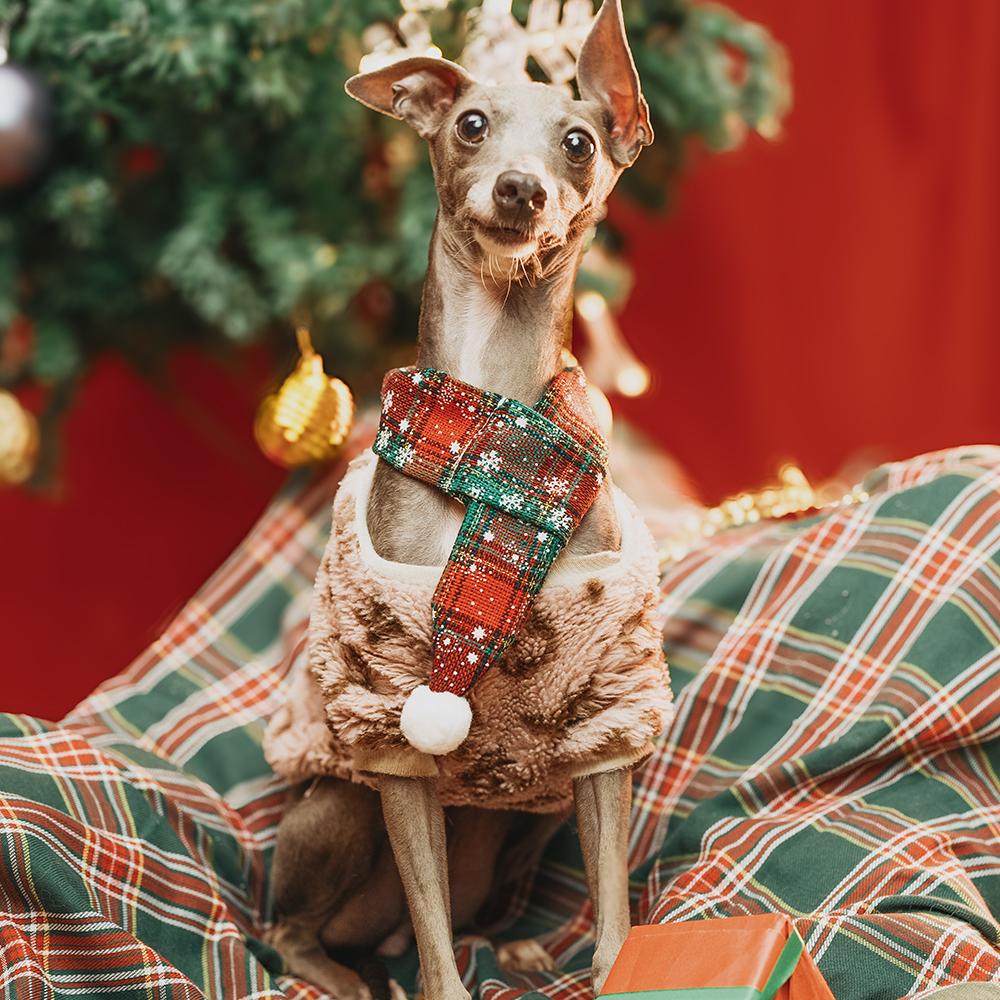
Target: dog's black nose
[[515, 191]]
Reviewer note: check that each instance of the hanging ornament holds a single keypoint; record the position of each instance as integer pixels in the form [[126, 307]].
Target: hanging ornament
[[496, 50], [410, 37], [24, 117], [310, 416], [609, 361], [498, 46], [17, 345], [140, 161], [18, 440], [604, 284], [555, 36]]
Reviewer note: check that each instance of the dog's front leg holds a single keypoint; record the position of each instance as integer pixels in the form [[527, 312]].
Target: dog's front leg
[[603, 802], [415, 822]]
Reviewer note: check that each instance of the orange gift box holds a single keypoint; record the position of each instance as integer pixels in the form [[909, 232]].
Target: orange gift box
[[734, 958]]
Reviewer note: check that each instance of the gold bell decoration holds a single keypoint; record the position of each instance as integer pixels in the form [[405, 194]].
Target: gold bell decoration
[[18, 440], [310, 416]]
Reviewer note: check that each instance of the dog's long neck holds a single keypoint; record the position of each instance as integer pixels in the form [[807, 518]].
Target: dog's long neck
[[503, 337]]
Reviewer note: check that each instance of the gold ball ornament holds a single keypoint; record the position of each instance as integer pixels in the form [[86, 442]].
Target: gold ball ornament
[[308, 419], [18, 440]]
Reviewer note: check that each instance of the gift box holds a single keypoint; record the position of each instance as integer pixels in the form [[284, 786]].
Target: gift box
[[734, 958]]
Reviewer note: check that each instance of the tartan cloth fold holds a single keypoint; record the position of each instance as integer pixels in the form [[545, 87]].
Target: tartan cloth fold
[[527, 477], [834, 756]]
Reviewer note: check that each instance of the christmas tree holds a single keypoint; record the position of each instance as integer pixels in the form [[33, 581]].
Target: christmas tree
[[207, 181]]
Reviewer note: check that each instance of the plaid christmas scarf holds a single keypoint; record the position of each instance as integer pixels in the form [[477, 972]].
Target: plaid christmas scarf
[[527, 477]]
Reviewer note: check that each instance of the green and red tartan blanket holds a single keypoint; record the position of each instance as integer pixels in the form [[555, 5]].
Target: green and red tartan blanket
[[527, 476], [834, 756]]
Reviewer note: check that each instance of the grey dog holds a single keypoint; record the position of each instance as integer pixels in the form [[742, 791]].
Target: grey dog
[[523, 172]]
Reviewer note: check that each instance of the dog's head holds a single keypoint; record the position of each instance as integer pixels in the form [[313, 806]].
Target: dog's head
[[521, 169]]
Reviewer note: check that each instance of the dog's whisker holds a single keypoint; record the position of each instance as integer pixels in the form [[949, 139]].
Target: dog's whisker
[[533, 272], [510, 284]]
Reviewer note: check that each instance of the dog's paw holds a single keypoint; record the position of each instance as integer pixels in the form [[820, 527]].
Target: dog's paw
[[605, 956], [598, 976], [303, 957], [525, 956]]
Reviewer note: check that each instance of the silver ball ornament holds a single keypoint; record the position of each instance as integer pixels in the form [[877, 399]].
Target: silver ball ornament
[[24, 124]]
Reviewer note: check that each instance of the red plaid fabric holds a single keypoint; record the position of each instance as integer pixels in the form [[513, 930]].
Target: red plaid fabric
[[527, 477], [834, 756]]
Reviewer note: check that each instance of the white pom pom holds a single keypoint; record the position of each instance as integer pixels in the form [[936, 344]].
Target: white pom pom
[[435, 722]]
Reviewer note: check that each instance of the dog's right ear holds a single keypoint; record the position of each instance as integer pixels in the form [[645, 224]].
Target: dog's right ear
[[420, 91]]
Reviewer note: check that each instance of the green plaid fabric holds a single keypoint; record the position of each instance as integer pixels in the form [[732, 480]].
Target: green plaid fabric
[[835, 756]]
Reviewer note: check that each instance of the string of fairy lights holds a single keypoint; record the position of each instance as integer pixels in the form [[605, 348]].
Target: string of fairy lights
[[793, 495]]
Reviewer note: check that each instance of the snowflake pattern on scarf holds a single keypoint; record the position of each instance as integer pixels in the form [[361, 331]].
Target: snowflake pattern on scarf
[[527, 477]]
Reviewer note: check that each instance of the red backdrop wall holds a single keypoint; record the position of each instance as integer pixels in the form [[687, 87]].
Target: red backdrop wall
[[833, 293]]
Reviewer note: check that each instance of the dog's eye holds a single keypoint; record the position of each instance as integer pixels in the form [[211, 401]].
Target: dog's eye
[[472, 126], [578, 146]]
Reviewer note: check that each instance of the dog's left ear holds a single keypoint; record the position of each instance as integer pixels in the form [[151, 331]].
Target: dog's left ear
[[605, 72], [420, 90]]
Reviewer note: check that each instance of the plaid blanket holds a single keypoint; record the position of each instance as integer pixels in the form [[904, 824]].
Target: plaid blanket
[[835, 756]]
